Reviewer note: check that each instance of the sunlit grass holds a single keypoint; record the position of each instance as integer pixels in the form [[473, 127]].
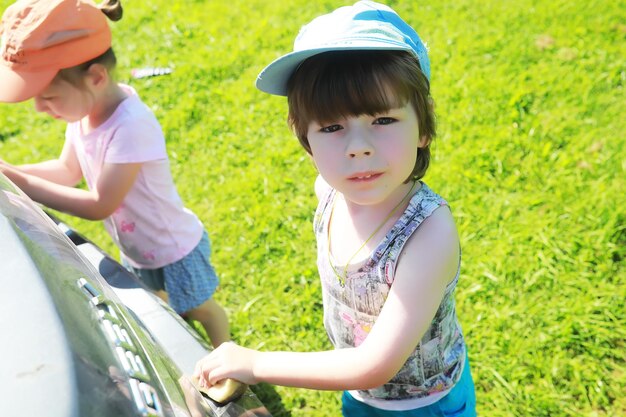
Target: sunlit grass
[[531, 154]]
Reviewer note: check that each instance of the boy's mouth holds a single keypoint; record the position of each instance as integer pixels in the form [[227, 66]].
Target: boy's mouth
[[365, 176]]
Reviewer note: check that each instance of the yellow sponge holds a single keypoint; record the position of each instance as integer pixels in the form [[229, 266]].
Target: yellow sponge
[[224, 391]]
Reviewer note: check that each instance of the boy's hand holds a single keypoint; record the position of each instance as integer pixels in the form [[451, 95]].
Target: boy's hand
[[229, 360]]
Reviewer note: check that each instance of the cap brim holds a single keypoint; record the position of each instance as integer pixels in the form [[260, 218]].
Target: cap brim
[[21, 86], [273, 78]]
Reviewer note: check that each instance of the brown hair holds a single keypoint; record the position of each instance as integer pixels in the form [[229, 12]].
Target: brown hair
[[74, 75], [352, 83]]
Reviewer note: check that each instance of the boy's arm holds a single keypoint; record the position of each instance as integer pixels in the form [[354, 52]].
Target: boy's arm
[[419, 284], [114, 183], [64, 171]]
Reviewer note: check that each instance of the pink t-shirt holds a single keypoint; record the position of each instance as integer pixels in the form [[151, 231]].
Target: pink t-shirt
[[151, 227]]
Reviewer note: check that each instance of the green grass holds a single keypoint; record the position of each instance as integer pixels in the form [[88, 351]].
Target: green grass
[[531, 155]]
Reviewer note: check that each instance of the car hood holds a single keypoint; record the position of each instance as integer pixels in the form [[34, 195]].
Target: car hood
[[81, 336], [49, 367]]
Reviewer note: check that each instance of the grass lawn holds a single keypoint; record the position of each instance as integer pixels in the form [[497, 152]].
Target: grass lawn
[[531, 155]]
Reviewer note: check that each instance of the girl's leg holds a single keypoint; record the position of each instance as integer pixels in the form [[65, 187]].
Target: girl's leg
[[162, 295], [190, 280], [214, 320], [190, 284]]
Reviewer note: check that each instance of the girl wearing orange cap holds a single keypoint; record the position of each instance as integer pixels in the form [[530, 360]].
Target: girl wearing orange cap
[[58, 52]]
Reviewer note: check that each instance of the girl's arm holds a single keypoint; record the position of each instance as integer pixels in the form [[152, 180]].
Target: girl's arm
[[114, 183], [419, 284], [64, 171]]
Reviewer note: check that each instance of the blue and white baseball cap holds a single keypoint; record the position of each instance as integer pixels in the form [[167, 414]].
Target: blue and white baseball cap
[[366, 25]]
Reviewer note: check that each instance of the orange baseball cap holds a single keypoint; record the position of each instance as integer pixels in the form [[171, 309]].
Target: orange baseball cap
[[40, 37]]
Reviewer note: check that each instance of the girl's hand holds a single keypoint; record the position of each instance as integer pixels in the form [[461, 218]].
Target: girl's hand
[[229, 360], [4, 165], [11, 173]]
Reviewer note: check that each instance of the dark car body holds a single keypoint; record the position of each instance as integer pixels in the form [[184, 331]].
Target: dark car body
[[81, 336]]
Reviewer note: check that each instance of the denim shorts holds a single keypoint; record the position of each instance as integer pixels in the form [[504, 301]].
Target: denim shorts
[[460, 402], [188, 282]]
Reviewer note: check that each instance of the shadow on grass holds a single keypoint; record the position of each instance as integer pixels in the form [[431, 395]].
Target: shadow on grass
[[270, 398], [6, 134]]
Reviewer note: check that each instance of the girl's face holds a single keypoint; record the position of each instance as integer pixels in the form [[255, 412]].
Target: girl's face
[[64, 100], [367, 158]]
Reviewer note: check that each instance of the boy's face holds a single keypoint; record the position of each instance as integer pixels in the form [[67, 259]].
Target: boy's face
[[63, 100], [367, 158]]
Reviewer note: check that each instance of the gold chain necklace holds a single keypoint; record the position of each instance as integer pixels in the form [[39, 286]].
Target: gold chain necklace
[[342, 278]]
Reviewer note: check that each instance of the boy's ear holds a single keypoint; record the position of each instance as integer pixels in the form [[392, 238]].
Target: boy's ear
[[424, 141]]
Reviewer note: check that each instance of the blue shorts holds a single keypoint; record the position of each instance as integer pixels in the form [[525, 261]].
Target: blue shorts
[[460, 402], [188, 282]]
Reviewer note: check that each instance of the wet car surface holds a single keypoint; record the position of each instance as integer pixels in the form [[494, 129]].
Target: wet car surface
[[82, 336]]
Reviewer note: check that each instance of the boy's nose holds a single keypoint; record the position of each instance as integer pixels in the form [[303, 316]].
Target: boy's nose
[[359, 144], [354, 154]]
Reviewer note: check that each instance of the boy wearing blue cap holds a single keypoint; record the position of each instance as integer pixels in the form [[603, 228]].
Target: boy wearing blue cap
[[358, 89]]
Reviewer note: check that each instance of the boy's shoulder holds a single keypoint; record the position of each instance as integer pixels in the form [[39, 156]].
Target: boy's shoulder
[[322, 188], [427, 199], [431, 213]]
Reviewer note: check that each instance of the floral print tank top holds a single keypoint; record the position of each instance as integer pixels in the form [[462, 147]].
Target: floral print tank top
[[351, 310]]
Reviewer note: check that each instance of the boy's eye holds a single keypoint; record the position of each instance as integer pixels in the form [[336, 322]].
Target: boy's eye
[[384, 120], [330, 128]]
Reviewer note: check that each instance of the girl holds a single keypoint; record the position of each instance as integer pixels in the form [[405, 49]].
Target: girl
[[357, 86], [58, 52]]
